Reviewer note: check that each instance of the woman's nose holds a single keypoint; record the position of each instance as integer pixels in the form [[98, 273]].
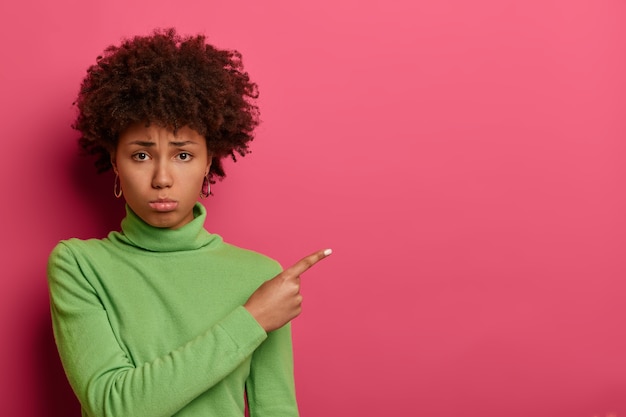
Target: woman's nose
[[162, 177]]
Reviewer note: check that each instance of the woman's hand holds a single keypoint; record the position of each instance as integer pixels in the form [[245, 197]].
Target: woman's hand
[[278, 301]]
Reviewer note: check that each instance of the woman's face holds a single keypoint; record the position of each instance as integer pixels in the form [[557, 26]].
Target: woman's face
[[160, 173]]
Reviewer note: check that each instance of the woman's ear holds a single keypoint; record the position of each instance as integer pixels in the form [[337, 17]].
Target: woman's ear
[[113, 164], [208, 167]]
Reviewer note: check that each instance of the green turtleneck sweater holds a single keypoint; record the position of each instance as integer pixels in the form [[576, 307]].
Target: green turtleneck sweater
[[150, 322]]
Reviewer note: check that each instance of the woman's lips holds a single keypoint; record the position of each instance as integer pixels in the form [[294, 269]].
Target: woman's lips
[[163, 205]]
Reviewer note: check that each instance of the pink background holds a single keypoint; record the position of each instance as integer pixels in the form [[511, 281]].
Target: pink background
[[464, 159]]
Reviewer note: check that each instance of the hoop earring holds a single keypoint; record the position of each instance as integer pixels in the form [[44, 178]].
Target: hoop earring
[[117, 188], [206, 188]]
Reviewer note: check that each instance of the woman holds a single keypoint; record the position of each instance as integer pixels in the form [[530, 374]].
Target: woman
[[164, 318]]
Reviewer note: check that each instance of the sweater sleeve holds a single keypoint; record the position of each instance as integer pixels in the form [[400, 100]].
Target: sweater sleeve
[[270, 388], [102, 376]]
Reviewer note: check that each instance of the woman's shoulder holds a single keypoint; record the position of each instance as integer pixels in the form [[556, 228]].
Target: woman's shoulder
[[75, 242], [77, 246], [251, 258], [71, 255]]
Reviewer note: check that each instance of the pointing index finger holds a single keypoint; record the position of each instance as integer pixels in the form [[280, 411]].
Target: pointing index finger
[[308, 261]]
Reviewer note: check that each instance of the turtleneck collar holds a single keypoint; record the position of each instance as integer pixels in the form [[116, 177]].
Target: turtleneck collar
[[188, 237]]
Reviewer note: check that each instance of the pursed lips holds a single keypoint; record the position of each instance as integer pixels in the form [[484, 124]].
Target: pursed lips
[[163, 204]]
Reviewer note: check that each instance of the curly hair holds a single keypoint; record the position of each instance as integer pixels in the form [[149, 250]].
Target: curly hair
[[172, 81]]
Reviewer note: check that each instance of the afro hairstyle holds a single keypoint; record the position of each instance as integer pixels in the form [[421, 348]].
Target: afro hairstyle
[[171, 81]]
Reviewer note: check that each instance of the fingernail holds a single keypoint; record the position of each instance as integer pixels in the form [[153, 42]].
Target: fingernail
[[328, 252]]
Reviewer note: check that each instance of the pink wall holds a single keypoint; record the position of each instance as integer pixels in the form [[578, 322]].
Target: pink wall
[[464, 159]]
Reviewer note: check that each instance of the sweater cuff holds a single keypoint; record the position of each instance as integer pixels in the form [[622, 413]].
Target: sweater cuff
[[242, 328]]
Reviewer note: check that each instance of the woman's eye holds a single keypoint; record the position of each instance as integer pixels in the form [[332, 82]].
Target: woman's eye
[[140, 156], [184, 156]]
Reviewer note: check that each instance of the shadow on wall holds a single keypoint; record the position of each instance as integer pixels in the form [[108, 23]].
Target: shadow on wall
[[96, 191]]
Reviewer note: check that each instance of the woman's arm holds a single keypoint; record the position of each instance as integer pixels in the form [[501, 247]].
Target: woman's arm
[[102, 376], [270, 387]]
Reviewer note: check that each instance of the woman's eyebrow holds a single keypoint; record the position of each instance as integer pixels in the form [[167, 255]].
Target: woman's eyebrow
[[183, 143], [144, 143], [147, 143]]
